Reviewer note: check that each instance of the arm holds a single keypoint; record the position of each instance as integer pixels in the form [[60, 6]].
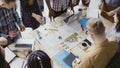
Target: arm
[[18, 19], [16, 16], [41, 6], [51, 12], [111, 13], [48, 4]]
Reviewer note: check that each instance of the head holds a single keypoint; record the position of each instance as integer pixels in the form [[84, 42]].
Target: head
[[8, 4], [2, 58], [39, 59], [117, 20], [96, 29]]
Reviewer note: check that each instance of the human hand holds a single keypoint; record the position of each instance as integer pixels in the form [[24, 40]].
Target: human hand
[[100, 6], [111, 13], [22, 27], [87, 1], [51, 14], [13, 33], [39, 18], [75, 62], [3, 41]]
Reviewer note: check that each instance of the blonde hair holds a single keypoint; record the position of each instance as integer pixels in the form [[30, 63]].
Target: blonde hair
[[96, 26]]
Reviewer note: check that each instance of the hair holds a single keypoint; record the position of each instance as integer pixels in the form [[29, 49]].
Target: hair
[[96, 26], [3, 63], [118, 23], [39, 59], [8, 1]]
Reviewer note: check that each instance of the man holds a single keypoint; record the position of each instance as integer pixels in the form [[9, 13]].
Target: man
[[10, 23], [98, 55]]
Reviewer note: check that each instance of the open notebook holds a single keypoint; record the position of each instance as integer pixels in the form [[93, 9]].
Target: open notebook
[[9, 55], [64, 58]]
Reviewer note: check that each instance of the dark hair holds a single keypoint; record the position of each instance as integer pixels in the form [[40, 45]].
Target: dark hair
[[2, 60], [8, 1], [39, 59], [118, 23]]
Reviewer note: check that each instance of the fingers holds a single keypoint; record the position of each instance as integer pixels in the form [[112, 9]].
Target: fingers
[[22, 27], [13, 33], [111, 13]]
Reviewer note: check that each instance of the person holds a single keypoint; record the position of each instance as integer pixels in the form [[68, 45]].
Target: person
[[110, 7], [58, 7], [3, 41], [99, 54], [9, 21], [86, 2], [38, 59], [31, 12], [114, 32], [3, 62]]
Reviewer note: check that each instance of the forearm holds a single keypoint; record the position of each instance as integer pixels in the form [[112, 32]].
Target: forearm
[[117, 10], [18, 19], [3, 41], [48, 4], [16, 16], [3, 35]]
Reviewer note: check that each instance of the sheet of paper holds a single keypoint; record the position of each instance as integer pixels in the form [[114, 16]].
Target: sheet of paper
[[17, 63], [9, 55]]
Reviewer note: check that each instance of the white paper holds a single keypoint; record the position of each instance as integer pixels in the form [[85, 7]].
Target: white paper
[[9, 55], [17, 63]]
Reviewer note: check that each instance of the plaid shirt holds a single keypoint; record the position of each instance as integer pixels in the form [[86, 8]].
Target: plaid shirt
[[59, 5], [8, 20]]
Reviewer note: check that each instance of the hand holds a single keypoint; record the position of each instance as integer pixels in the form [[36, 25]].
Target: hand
[[51, 13], [13, 33], [75, 62], [87, 1], [111, 13], [2, 51], [100, 6], [3, 41], [39, 18], [22, 27]]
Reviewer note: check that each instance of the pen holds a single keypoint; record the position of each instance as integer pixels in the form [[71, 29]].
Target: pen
[[52, 29]]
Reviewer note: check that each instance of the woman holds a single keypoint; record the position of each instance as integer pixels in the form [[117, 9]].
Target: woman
[[31, 11], [38, 59], [114, 32], [3, 63]]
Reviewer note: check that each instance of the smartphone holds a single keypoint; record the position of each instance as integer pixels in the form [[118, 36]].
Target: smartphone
[[87, 41]]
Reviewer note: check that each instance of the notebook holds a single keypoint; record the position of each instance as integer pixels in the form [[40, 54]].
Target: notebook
[[9, 55], [64, 59]]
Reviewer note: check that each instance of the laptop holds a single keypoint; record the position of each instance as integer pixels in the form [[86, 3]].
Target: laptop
[[72, 18]]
